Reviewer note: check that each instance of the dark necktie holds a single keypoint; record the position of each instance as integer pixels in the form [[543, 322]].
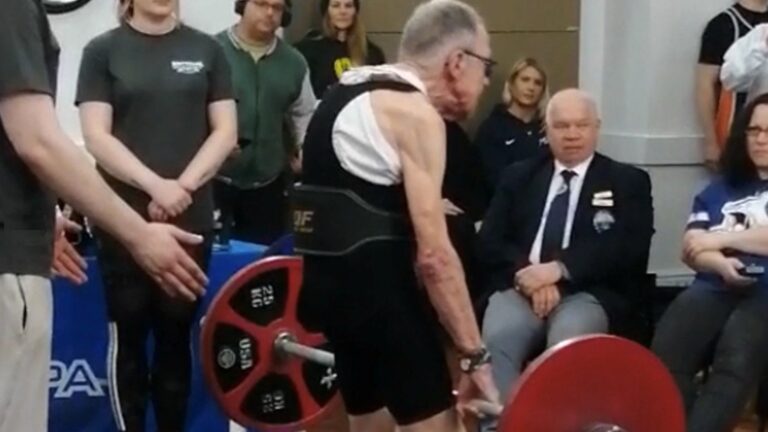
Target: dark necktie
[[554, 227]]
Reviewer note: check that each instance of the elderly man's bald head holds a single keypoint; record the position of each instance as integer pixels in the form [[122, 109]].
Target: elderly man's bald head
[[573, 97], [573, 125]]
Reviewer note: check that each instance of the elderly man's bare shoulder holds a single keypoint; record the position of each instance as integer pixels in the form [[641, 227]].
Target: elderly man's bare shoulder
[[404, 109]]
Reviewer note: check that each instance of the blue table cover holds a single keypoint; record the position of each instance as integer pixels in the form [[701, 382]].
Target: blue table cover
[[79, 398]]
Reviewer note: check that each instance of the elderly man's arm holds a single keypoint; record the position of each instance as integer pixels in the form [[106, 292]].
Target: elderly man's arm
[[420, 136]]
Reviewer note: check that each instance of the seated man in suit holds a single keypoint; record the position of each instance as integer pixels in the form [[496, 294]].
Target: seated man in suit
[[565, 239]]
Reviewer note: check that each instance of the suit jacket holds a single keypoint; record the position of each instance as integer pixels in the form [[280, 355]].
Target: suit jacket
[[465, 186], [609, 246]]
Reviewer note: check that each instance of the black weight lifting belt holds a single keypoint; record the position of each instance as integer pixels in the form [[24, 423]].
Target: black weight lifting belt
[[335, 212], [332, 221]]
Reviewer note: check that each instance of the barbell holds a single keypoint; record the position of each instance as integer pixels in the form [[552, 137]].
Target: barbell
[[269, 372]]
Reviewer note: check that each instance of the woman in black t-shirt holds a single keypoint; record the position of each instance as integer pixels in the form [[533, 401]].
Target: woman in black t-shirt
[[515, 130], [340, 45], [158, 115]]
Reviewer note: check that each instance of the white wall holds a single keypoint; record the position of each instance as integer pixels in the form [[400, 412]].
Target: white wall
[[75, 29], [638, 58]]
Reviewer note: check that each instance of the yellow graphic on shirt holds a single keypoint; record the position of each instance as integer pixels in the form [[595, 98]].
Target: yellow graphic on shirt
[[342, 65]]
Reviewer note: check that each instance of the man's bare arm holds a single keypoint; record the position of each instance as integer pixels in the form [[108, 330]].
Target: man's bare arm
[[31, 124], [707, 79], [420, 137]]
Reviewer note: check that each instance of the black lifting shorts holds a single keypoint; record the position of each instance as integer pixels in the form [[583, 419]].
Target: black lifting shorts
[[388, 343]]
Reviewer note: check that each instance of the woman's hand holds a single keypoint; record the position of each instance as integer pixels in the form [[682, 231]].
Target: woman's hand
[[170, 196]]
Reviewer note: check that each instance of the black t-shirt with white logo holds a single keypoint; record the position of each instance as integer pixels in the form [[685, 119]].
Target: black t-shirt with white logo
[[724, 29], [28, 64], [160, 87]]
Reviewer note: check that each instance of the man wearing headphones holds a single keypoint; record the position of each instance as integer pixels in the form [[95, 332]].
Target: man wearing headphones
[[275, 104]]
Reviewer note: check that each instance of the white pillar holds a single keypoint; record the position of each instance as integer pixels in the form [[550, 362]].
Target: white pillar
[[638, 58]]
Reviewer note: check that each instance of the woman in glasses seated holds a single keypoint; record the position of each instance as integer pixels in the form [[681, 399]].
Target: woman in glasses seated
[[721, 320]]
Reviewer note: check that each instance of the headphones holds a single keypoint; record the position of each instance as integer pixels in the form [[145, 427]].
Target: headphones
[[287, 13]]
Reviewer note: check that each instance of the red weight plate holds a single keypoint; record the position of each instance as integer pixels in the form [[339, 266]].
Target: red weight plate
[[595, 380], [253, 386]]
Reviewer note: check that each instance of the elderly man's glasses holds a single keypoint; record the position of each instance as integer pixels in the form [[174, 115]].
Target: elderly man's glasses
[[488, 62]]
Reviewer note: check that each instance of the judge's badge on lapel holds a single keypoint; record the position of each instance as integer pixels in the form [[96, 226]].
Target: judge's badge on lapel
[[603, 221], [602, 199]]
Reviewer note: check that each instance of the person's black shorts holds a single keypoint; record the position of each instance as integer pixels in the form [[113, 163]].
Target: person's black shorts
[[387, 340]]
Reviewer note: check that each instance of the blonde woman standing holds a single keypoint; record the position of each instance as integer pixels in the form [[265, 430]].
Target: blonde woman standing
[[514, 129]]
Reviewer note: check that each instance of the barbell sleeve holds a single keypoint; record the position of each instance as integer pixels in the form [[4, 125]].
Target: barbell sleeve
[[285, 345]]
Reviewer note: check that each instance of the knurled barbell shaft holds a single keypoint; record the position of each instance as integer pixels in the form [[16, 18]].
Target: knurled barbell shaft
[[286, 346]]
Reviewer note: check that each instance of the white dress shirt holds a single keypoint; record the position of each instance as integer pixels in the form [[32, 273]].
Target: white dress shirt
[[557, 182]]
